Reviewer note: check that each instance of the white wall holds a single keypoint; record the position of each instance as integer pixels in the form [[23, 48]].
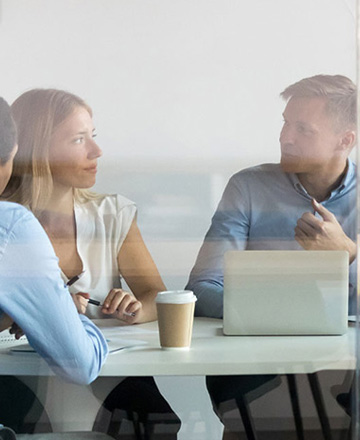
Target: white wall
[[184, 92]]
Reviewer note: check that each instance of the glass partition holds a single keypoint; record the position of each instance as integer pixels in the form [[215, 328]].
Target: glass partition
[[356, 396], [184, 94]]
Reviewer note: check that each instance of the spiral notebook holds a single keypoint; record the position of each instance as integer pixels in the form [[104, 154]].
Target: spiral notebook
[[8, 341]]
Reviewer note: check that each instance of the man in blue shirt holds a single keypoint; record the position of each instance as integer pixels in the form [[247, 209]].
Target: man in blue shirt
[[307, 201]]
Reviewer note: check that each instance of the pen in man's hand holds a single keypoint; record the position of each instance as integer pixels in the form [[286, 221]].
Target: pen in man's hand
[[94, 302]]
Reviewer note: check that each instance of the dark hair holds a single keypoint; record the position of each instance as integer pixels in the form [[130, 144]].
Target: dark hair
[[8, 136], [338, 91]]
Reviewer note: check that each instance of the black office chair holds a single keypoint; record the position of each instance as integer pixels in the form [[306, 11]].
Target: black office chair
[[343, 399], [230, 393], [319, 404], [138, 400], [20, 409], [243, 401]]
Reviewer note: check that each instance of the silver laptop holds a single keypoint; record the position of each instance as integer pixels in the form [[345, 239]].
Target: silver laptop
[[286, 292]]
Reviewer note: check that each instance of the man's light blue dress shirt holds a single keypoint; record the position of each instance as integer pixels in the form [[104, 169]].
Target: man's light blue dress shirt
[[259, 210], [32, 293]]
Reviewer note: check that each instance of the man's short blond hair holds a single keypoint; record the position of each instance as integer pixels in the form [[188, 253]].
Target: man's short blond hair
[[339, 92]]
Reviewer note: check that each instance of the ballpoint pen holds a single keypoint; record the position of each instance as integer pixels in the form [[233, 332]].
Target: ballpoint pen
[[95, 302], [91, 301], [74, 279]]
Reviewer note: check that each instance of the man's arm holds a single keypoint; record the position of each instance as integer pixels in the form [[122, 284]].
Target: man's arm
[[313, 233], [228, 231], [33, 295]]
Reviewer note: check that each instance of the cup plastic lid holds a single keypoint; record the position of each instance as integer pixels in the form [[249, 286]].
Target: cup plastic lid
[[175, 297]]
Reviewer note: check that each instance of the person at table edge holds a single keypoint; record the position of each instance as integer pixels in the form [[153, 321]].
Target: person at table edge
[[307, 201], [32, 293]]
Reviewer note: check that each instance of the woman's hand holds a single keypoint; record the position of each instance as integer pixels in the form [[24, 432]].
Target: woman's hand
[[81, 300], [122, 305]]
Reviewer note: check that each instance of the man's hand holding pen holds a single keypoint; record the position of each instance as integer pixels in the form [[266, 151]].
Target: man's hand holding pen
[[7, 323], [81, 301], [16, 331]]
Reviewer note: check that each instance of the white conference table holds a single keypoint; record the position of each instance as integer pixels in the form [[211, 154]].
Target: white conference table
[[211, 353]]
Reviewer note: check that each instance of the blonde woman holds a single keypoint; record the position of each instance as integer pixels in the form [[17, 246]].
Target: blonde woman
[[33, 296], [31, 292], [91, 233]]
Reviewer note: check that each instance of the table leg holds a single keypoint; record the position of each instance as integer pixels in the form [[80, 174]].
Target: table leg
[[320, 406], [246, 419], [295, 405]]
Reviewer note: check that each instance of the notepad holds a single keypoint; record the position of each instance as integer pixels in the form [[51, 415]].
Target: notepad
[[7, 340], [117, 344], [114, 335], [22, 348], [13, 345]]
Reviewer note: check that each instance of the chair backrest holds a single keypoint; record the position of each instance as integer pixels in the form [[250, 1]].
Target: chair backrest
[[20, 408], [7, 433]]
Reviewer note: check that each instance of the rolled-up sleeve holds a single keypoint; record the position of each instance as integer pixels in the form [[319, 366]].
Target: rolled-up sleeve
[[35, 297]]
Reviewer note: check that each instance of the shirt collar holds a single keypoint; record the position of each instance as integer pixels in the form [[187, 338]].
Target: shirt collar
[[349, 175], [297, 184], [345, 182]]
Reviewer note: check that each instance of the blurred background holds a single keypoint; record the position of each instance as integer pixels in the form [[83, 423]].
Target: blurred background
[[184, 92]]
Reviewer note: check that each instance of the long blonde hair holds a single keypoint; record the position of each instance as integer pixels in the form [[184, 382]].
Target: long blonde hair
[[37, 113]]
